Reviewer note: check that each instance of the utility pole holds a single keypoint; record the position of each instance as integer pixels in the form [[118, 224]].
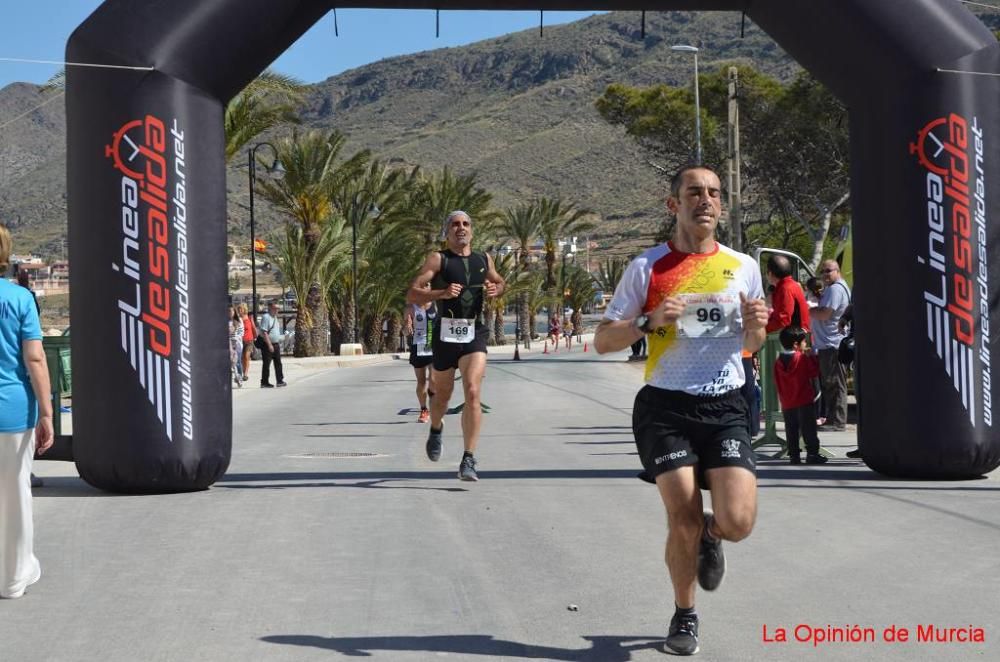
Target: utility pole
[[733, 162]]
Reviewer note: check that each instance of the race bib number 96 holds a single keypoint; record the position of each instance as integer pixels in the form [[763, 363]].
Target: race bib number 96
[[458, 330], [709, 316]]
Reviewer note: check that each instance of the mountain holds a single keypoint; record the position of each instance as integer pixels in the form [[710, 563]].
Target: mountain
[[518, 110]]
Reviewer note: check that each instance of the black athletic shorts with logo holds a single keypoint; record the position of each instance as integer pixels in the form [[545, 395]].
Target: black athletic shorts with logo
[[447, 354], [674, 429], [419, 361]]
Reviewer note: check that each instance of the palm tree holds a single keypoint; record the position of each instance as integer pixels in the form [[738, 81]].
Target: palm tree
[[580, 289], [301, 266], [521, 224], [557, 219], [438, 195], [269, 100], [534, 296], [373, 200], [493, 309], [314, 169], [391, 257], [610, 272]]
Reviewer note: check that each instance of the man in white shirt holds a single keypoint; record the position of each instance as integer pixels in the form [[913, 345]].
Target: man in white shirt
[[700, 304], [270, 332]]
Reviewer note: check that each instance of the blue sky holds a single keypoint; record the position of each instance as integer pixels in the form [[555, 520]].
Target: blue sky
[[38, 29]]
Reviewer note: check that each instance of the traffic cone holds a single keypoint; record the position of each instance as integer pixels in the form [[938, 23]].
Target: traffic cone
[[546, 347], [584, 348], [517, 356]]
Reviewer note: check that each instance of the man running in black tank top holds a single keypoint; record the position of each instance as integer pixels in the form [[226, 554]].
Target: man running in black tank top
[[459, 279]]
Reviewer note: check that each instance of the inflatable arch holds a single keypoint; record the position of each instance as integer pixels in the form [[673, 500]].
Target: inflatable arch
[[147, 231]]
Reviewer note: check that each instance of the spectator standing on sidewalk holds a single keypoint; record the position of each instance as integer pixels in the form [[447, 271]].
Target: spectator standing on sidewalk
[[788, 301], [24, 281], [249, 333], [795, 370], [236, 346], [25, 426], [272, 335], [827, 336]]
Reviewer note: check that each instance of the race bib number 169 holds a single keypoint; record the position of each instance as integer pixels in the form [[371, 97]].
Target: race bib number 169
[[458, 330]]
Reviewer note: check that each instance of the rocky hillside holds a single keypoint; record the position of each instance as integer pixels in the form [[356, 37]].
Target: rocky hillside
[[518, 110]]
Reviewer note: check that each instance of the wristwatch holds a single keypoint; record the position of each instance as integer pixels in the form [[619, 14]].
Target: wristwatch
[[642, 323]]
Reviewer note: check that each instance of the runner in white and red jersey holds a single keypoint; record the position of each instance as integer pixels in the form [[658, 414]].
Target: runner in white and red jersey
[[701, 304]]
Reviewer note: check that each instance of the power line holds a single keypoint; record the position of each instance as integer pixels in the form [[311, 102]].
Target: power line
[[76, 64], [28, 112], [979, 4], [967, 73]]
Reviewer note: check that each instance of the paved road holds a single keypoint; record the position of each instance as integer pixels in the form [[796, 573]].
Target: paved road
[[293, 557]]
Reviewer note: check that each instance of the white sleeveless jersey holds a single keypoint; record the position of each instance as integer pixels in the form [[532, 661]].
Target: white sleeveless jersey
[[423, 323]]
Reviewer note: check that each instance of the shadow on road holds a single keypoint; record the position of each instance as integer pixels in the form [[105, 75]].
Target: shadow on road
[[385, 484], [356, 423], [596, 427], [602, 443], [602, 648], [425, 475], [592, 433]]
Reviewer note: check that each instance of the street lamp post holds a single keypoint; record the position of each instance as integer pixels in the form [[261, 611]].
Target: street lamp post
[[275, 167], [569, 250], [697, 104]]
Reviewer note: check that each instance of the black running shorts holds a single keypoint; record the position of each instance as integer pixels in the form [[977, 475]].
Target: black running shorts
[[419, 361], [447, 354], [674, 429]]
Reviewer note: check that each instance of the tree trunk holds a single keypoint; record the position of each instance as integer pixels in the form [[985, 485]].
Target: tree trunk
[[318, 337], [336, 332], [525, 325], [578, 321], [820, 237], [498, 335], [372, 336], [300, 348], [395, 327], [349, 323]]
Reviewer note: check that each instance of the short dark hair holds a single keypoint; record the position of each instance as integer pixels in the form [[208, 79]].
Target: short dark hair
[[791, 336], [813, 283], [779, 266], [675, 181]]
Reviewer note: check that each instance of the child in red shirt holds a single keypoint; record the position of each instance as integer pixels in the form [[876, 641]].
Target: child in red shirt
[[795, 370]]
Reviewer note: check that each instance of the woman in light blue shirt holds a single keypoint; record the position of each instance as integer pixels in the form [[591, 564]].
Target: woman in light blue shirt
[[25, 424]]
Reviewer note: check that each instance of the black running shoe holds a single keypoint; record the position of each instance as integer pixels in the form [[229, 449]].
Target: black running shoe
[[711, 561], [467, 469], [815, 459], [434, 445], [855, 454], [683, 636]]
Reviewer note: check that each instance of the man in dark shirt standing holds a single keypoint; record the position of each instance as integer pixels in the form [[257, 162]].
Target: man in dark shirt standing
[[459, 279]]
